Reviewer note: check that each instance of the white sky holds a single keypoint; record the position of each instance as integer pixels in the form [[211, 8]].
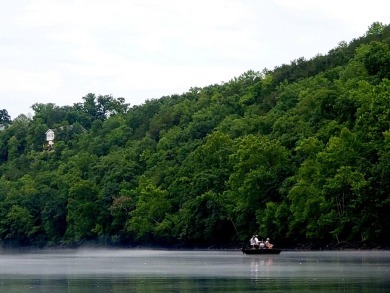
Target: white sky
[[57, 51]]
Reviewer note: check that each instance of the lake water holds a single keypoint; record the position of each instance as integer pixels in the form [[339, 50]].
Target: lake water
[[98, 270]]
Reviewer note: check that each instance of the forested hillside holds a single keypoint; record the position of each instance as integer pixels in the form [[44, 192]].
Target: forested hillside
[[300, 154]]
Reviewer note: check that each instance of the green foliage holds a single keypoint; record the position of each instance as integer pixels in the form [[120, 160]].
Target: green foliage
[[375, 29], [82, 211], [148, 219], [18, 225], [260, 167], [299, 154], [376, 59], [204, 220], [4, 117]]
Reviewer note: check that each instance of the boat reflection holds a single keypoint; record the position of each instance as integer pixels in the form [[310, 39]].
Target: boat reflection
[[260, 266]]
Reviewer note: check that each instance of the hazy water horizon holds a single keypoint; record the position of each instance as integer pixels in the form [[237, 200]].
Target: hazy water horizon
[[148, 270]]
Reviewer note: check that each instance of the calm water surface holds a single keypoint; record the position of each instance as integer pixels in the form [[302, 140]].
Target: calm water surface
[[193, 271]]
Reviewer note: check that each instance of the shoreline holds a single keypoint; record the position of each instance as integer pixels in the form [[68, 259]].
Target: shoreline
[[329, 247]]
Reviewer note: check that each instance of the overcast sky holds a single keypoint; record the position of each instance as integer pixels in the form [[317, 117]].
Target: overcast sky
[[57, 51]]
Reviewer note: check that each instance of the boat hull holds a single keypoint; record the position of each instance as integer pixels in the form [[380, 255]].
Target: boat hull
[[261, 250]]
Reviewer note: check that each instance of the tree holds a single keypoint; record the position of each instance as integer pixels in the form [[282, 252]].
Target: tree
[[376, 59], [4, 117], [18, 225], [82, 211], [375, 28], [343, 190], [98, 108], [148, 219], [260, 167], [48, 114], [205, 220]]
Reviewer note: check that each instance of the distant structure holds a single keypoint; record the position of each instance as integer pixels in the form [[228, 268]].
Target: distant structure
[[62, 132], [50, 138]]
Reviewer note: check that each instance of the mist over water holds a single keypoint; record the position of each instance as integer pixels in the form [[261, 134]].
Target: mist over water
[[121, 270]]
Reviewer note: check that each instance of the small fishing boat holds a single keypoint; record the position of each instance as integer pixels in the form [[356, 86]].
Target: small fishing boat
[[257, 250], [259, 247]]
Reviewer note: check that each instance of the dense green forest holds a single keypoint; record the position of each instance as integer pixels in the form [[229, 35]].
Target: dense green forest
[[300, 154]]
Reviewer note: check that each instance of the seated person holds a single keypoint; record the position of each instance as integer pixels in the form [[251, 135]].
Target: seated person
[[252, 241], [268, 244], [257, 240]]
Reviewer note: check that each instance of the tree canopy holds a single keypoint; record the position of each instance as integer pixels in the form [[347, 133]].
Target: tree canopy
[[300, 153]]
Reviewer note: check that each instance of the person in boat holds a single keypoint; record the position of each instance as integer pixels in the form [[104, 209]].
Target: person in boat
[[268, 244], [252, 241]]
